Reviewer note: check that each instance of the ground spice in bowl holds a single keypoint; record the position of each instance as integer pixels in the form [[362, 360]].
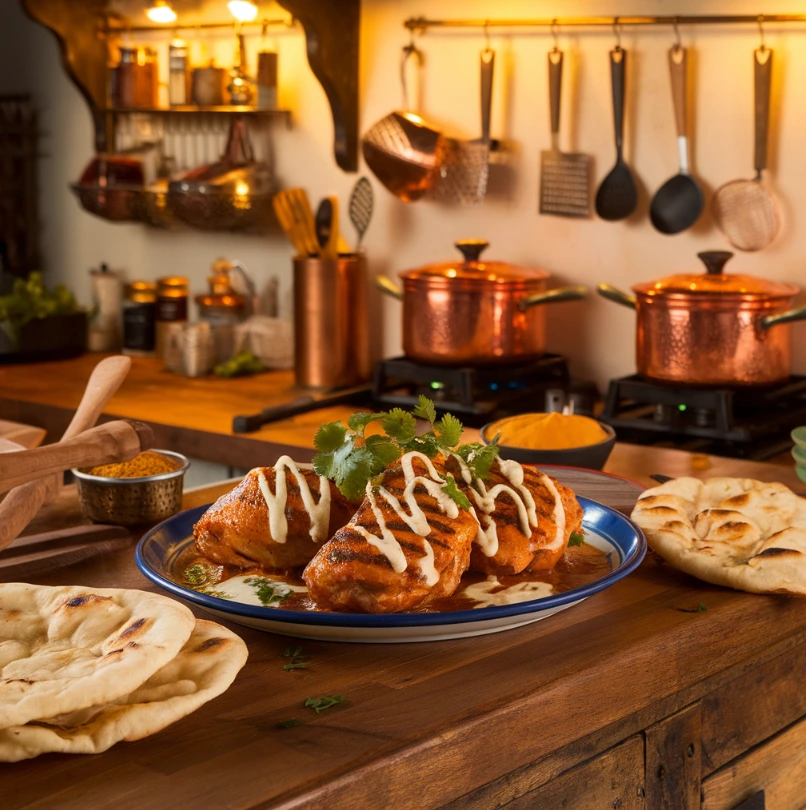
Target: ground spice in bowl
[[143, 490], [548, 431], [143, 465]]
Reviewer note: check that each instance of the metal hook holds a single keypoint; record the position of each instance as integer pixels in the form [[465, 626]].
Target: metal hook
[[677, 43], [617, 32], [554, 29], [761, 31], [487, 34]]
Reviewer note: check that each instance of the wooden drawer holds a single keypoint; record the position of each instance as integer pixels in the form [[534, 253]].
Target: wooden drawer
[[778, 767]]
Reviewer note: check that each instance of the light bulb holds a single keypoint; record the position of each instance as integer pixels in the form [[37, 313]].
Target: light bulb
[[242, 10], [161, 12]]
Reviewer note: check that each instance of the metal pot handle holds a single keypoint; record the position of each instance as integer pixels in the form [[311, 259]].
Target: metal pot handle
[[783, 317], [386, 285], [614, 294], [553, 297]]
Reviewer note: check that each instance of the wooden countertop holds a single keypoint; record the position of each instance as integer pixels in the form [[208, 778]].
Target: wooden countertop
[[194, 417], [424, 725]]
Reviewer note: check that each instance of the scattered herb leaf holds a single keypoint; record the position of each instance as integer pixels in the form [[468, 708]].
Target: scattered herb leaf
[[576, 539], [699, 609], [298, 660], [268, 592], [455, 493], [289, 723], [319, 704]]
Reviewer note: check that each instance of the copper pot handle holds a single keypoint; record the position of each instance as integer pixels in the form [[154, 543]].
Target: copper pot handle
[[783, 317], [553, 297], [614, 294], [389, 287]]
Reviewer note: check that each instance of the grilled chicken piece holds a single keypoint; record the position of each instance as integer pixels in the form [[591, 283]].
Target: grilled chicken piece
[[539, 547], [244, 529], [393, 556]]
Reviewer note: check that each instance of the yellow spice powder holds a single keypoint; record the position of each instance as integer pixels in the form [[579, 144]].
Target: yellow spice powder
[[142, 465], [547, 431]]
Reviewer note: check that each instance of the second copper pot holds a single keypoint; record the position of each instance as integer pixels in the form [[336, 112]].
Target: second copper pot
[[475, 312], [712, 328]]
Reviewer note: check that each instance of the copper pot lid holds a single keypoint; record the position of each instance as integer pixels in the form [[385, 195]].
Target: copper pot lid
[[475, 271], [715, 282]]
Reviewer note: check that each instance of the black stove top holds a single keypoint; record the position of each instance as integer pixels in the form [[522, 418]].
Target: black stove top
[[751, 423], [477, 393]]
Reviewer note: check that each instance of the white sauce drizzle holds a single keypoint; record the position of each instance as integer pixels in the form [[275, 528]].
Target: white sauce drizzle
[[489, 593], [414, 518], [487, 534], [276, 503], [238, 590]]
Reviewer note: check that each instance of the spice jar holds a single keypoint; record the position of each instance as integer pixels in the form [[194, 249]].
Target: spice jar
[[172, 306], [223, 309], [178, 73], [139, 317]]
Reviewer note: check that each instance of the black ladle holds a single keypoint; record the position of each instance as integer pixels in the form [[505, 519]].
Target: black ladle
[[678, 203], [617, 195]]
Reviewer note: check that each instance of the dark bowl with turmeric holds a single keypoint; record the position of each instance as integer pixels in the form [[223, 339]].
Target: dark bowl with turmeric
[[569, 440], [145, 489]]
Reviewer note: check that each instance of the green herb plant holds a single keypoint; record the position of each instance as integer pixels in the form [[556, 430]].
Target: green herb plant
[[351, 459], [30, 300]]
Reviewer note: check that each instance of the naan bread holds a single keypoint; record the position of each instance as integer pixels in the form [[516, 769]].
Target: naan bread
[[64, 648], [203, 669], [746, 534]]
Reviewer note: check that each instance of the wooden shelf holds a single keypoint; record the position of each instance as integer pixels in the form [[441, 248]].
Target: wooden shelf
[[194, 108]]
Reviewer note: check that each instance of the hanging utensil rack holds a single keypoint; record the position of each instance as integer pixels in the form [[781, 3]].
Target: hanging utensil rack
[[421, 24]]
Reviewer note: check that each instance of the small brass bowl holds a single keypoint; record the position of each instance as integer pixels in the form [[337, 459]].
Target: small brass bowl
[[132, 501]]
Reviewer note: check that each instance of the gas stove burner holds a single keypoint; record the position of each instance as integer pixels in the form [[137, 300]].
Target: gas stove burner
[[476, 392], [737, 422]]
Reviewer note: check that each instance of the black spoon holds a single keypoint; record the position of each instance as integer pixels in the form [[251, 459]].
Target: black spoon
[[617, 195], [678, 203]]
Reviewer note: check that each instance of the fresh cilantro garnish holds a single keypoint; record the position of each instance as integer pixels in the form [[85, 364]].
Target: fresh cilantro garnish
[[319, 704], [351, 460], [288, 723], [699, 609], [576, 539], [268, 592], [298, 660], [195, 575], [454, 492]]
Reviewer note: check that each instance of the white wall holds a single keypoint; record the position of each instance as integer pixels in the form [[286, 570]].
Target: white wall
[[597, 335]]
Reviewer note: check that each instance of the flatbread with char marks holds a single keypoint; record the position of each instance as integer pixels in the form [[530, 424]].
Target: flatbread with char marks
[[746, 534]]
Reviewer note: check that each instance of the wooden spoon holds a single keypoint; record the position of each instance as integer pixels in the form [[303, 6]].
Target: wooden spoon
[[22, 503], [112, 442]]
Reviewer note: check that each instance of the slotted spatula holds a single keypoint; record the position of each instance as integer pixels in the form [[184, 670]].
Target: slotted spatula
[[564, 176], [361, 204]]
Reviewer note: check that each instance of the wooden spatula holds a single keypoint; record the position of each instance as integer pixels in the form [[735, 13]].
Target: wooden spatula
[[22, 503]]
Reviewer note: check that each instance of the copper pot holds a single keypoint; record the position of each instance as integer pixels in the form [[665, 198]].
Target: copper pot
[[712, 328], [475, 312]]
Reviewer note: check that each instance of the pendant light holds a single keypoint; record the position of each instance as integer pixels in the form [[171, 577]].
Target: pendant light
[[161, 12], [242, 10]]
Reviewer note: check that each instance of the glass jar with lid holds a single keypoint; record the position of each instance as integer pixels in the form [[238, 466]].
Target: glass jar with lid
[[139, 317], [172, 306]]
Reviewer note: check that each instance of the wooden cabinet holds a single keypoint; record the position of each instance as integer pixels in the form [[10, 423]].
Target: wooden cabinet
[[741, 746]]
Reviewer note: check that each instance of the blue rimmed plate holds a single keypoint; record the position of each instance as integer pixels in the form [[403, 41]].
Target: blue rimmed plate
[[605, 528]]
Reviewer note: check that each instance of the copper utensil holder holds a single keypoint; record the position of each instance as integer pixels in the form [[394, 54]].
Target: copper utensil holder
[[331, 335]]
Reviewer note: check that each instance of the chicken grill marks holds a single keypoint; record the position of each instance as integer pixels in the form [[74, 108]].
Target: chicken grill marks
[[517, 551], [356, 571], [236, 529]]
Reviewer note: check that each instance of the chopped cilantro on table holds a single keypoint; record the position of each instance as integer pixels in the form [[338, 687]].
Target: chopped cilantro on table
[[298, 660], [319, 704], [351, 459]]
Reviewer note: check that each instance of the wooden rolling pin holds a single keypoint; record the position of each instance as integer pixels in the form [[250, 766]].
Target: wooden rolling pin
[[108, 443], [21, 504]]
